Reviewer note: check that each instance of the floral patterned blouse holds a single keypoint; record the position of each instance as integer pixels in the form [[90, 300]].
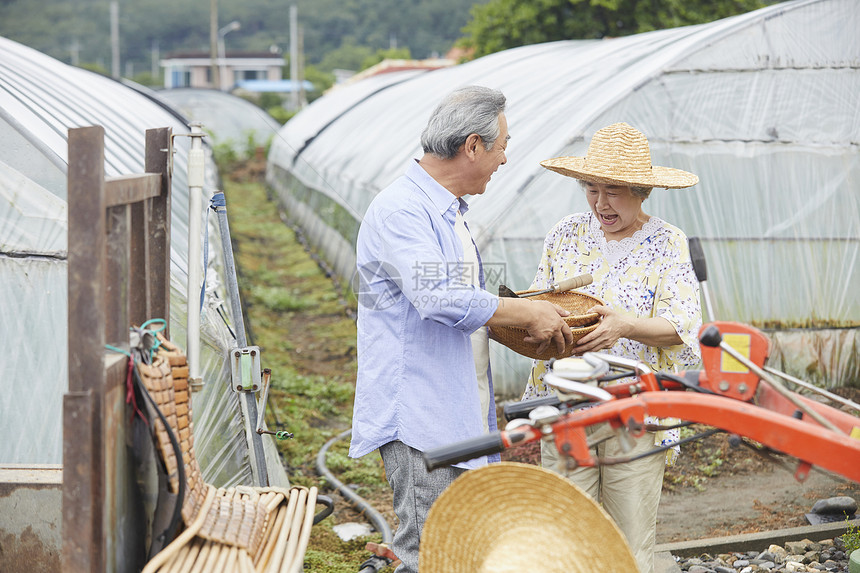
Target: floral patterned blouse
[[647, 275]]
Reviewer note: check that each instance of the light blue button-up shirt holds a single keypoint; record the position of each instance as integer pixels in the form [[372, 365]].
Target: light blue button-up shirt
[[416, 373]]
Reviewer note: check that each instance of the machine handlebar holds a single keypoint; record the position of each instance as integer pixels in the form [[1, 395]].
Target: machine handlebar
[[462, 451], [516, 410], [697, 257]]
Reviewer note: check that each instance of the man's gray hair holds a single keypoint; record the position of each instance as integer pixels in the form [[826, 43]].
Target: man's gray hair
[[468, 110]]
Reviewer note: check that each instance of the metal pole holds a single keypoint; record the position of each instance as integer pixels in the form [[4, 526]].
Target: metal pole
[[196, 171], [294, 57], [256, 440], [114, 39], [154, 70], [213, 43], [303, 99], [814, 388], [222, 52], [773, 382], [221, 57]]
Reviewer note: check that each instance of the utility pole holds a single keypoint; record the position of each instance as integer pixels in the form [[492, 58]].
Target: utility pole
[[114, 38], [75, 51], [154, 70], [303, 99], [213, 43], [294, 58]]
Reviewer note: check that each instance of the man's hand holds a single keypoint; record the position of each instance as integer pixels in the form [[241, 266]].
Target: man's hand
[[542, 319], [548, 326]]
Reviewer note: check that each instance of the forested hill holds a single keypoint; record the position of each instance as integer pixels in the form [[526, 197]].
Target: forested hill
[[79, 30], [347, 34]]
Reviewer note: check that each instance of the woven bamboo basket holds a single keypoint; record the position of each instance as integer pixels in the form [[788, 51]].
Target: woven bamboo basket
[[237, 529], [580, 321]]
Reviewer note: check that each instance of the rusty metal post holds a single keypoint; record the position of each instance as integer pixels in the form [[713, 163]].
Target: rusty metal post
[[118, 273], [159, 148], [83, 490]]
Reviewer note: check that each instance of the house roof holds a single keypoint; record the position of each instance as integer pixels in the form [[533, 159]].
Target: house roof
[[228, 54]]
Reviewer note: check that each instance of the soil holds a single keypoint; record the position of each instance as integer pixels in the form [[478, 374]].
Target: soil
[[746, 494]]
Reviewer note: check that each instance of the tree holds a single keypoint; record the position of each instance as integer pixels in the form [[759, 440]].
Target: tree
[[77, 31], [320, 79], [349, 56], [393, 54], [502, 24]]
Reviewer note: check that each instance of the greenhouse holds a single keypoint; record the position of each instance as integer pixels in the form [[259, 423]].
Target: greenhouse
[[40, 100], [231, 120], [761, 106]]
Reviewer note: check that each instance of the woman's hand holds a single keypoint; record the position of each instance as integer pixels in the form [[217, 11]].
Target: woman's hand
[[612, 326]]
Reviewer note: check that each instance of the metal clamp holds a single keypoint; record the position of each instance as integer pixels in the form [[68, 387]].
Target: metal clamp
[[245, 369], [195, 156]]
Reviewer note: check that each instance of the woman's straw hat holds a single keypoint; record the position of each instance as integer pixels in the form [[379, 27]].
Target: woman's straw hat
[[619, 154], [512, 517]]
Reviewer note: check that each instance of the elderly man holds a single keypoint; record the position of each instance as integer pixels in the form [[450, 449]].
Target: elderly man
[[423, 359]]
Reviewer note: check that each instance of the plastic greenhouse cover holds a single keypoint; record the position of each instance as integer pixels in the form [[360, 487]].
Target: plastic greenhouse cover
[[231, 119], [40, 99], [761, 106]]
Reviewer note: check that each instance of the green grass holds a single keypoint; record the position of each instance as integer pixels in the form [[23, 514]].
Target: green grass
[[277, 299]]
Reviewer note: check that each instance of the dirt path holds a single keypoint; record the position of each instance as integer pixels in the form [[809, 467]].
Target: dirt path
[[716, 490], [745, 503]]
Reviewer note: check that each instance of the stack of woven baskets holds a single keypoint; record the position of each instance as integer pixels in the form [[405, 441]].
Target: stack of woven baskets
[[241, 528]]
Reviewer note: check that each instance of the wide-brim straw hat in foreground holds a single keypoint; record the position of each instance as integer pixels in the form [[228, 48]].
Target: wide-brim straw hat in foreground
[[512, 517], [619, 154]]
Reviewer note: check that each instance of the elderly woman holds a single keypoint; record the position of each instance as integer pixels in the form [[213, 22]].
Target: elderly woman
[[643, 273]]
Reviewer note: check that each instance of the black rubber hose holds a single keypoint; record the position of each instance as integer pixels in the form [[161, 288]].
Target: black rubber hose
[[376, 519], [169, 532]]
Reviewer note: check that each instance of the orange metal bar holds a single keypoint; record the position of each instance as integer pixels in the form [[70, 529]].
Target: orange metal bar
[[773, 401], [805, 440]]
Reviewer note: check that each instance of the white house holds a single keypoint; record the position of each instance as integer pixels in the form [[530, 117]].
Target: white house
[[195, 70]]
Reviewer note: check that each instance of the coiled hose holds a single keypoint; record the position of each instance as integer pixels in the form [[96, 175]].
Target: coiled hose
[[375, 563]]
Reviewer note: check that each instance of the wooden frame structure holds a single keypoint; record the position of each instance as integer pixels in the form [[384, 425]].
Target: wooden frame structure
[[118, 275]]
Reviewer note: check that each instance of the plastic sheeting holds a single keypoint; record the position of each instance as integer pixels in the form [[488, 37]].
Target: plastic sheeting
[[232, 120], [762, 106], [40, 100]]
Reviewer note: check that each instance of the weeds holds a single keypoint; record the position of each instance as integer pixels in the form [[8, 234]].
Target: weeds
[[276, 299], [699, 461], [851, 537]]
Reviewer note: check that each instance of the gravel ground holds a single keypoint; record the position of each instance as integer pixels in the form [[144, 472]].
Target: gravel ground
[[795, 556]]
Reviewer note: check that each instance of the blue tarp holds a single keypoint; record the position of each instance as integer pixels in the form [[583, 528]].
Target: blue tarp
[[274, 86]]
